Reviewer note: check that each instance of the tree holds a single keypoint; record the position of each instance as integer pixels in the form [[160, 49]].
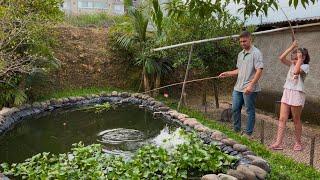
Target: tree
[[205, 8], [25, 44], [134, 36]]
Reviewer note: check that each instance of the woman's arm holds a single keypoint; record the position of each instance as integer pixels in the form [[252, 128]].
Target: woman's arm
[[283, 56], [297, 67]]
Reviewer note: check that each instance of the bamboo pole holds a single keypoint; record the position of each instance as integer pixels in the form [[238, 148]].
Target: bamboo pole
[[178, 83], [185, 78], [234, 36]]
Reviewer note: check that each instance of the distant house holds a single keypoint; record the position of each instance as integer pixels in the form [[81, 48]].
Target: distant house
[[75, 7]]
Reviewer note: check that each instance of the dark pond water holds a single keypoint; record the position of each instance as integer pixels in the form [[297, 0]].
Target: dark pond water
[[56, 131]]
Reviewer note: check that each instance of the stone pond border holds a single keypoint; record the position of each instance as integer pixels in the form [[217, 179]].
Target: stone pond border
[[249, 166]]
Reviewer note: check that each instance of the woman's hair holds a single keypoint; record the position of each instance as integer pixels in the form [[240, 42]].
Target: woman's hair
[[305, 54]]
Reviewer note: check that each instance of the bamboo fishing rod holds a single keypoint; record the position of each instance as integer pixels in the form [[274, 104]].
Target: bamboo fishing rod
[[178, 83]]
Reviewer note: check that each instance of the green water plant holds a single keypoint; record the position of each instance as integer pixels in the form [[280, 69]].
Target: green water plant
[[149, 162]]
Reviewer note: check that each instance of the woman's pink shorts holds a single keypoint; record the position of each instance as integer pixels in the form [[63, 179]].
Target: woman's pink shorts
[[293, 97]]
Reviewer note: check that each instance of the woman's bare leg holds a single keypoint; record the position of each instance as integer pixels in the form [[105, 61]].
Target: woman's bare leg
[[284, 113], [296, 113]]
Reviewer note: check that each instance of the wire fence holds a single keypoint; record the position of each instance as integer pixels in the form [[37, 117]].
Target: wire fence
[[203, 99]]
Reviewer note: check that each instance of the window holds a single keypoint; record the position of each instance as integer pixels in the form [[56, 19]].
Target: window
[[92, 5], [100, 5], [85, 4], [118, 9]]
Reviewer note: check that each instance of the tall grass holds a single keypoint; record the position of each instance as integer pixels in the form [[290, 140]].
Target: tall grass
[[101, 19]]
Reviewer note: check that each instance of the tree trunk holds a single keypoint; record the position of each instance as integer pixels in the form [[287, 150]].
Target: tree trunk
[[157, 84], [146, 81], [216, 93]]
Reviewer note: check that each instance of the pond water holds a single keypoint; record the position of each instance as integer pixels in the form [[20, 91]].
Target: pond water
[[122, 129]]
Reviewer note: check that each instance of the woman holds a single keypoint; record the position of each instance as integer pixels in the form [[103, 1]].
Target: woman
[[293, 97]]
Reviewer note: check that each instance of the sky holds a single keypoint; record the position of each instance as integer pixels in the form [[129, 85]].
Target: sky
[[275, 16]]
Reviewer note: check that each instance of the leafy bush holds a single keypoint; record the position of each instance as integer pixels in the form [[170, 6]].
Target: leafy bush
[[26, 38], [150, 162]]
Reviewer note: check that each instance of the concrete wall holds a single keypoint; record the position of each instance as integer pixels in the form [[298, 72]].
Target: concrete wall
[[273, 44]]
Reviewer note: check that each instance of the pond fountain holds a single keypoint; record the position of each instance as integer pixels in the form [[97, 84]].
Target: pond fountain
[[125, 128], [53, 126]]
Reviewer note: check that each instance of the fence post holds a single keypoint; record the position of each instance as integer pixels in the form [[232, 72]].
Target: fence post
[[262, 132], [313, 139], [216, 93], [204, 96], [185, 79]]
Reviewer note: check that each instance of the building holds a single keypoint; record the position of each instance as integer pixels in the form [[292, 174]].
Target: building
[[75, 7], [274, 73]]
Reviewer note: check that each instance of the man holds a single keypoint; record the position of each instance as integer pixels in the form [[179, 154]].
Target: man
[[249, 71]]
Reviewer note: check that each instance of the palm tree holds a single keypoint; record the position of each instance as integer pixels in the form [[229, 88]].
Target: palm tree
[[138, 38]]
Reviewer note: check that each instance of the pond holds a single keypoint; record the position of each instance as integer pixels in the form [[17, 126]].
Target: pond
[[121, 129]]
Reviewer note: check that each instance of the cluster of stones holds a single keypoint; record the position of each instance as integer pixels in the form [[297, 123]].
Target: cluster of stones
[[248, 167]]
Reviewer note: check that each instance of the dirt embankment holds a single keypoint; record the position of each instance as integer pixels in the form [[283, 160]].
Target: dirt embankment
[[87, 60]]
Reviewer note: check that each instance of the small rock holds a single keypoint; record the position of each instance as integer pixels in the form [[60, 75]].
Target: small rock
[[236, 174], [217, 135], [244, 161], [227, 149], [124, 94], [253, 158], [240, 147], [226, 177], [114, 93], [157, 114], [229, 142], [150, 99], [249, 174], [103, 94], [182, 119], [260, 173], [192, 122], [135, 95], [248, 153], [200, 128], [210, 177], [95, 95], [233, 153], [151, 103], [8, 111], [145, 97], [163, 109], [36, 105], [262, 164], [180, 115]]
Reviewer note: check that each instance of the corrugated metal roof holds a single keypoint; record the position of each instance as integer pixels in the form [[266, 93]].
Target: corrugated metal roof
[[292, 21]]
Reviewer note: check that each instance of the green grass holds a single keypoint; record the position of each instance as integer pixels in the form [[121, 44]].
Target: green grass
[[77, 92], [96, 19], [282, 167]]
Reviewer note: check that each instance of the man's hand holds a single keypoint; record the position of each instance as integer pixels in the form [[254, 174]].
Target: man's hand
[[224, 74], [249, 89]]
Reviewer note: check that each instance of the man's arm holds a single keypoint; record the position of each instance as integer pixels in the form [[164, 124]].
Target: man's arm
[[229, 73], [255, 79]]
